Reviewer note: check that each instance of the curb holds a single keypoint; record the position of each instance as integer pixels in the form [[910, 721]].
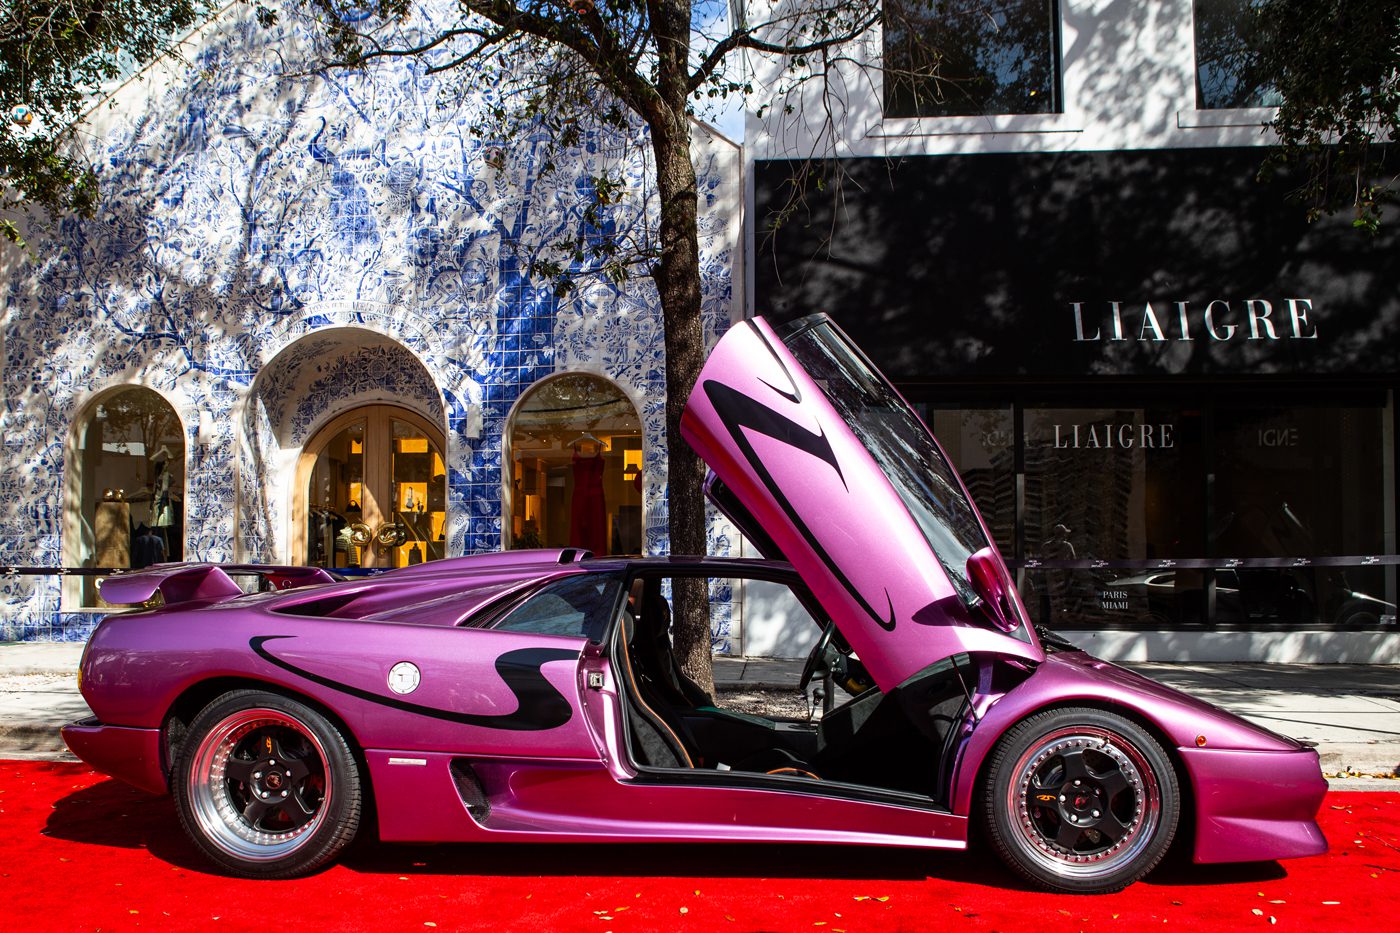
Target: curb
[[28, 741]]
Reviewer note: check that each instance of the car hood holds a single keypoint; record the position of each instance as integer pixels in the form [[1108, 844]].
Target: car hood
[[821, 463]]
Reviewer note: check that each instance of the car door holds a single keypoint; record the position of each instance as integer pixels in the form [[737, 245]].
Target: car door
[[822, 462]]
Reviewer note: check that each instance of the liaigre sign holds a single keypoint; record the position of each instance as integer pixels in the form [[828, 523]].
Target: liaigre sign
[[1136, 263], [1218, 320]]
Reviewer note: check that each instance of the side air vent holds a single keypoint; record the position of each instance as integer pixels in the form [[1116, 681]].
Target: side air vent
[[470, 790], [573, 555]]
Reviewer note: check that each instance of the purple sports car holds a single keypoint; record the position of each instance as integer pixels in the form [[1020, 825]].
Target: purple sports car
[[533, 695]]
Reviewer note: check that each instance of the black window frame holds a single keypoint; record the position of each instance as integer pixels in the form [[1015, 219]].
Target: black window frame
[[1243, 91]]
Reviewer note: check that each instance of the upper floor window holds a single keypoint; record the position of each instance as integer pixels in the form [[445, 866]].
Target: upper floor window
[[1227, 67], [951, 58]]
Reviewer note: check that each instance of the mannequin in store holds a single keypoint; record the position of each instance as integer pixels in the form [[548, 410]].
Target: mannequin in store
[[163, 500], [588, 518], [324, 527]]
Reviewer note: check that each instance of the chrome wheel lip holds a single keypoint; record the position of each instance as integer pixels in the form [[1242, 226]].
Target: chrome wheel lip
[[1142, 784], [220, 821]]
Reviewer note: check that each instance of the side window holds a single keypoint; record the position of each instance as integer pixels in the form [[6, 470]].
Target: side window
[[970, 58], [577, 606]]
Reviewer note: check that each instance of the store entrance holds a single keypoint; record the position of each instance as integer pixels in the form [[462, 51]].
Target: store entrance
[[371, 488]]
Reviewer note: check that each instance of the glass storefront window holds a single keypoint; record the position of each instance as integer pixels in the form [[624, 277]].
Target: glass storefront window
[[375, 484], [418, 475], [1291, 483], [129, 467], [969, 58], [1224, 511], [337, 488], [982, 442], [1113, 484], [576, 467]]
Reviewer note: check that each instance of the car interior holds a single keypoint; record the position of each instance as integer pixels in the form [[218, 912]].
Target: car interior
[[871, 741]]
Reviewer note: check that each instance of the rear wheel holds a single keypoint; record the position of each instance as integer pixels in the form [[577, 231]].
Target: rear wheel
[[1081, 800], [266, 786]]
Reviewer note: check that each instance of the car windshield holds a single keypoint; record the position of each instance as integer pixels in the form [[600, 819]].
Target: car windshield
[[897, 440]]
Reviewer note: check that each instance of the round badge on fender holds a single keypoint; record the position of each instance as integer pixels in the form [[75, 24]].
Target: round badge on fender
[[403, 677]]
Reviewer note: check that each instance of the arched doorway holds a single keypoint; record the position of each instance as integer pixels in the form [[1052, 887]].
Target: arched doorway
[[575, 477], [330, 374], [370, 491]]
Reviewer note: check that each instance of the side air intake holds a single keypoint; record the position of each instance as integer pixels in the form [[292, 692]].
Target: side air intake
[[470, 790]]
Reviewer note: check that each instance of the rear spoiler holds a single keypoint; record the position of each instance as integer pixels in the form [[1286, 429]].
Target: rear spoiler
[[182, 583], [493, 559]]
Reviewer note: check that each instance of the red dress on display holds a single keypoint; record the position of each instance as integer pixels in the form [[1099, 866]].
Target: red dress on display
[[588, 518]]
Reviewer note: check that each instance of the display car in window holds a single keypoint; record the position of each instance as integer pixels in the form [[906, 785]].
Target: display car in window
[[533, 696]]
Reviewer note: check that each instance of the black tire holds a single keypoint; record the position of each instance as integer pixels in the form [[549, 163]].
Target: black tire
[[266, 786], [1080, 800]]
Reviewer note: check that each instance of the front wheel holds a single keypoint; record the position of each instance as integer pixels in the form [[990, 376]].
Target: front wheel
[[266, 786], [1081, 800]]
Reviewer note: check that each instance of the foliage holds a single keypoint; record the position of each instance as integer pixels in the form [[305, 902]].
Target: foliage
[[1336, 67], [566, 65], [55, 58]]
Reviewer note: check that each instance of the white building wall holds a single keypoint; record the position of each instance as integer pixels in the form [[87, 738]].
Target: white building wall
[[1127, 69]]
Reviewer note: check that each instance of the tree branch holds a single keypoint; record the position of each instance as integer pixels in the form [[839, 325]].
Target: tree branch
[[749, 39], [634, 90]]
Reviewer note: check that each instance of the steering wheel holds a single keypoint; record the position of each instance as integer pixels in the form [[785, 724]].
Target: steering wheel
[[818, 653]]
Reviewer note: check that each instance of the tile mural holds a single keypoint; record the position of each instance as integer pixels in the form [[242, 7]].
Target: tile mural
[[276, 245]]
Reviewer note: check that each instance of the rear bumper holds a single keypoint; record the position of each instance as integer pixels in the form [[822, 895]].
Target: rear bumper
[[1255, 805], [130, 755]]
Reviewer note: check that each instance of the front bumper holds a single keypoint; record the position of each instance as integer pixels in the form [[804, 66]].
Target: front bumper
[[1255, 805], [130, 755]]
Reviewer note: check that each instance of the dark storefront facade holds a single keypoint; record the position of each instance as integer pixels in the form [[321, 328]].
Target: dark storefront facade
[[1170, 395]]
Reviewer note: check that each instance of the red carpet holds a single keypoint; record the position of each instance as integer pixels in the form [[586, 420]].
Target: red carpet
[[81, 852]]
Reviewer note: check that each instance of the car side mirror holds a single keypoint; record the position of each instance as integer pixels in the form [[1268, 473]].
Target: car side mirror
[[990, 583]]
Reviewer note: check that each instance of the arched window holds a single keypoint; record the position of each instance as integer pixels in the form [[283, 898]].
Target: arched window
[[575, 477], [126, 487]]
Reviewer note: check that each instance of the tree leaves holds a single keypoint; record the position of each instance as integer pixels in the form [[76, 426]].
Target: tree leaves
[[1336, 66], [56, 60]]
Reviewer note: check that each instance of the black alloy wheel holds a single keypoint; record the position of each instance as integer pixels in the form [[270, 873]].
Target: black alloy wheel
[[266, 786], [1081, 800]]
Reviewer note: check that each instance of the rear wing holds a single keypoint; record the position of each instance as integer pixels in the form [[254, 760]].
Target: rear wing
[[182, 583], [495, 559]]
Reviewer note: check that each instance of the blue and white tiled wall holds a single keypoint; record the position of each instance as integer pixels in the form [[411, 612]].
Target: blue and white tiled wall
[[275, 247]]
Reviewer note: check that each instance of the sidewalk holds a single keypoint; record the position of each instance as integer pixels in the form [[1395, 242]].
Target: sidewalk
[[1352, 711], [38, 694]]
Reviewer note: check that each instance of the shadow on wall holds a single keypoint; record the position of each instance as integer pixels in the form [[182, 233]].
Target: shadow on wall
[[775, 624]]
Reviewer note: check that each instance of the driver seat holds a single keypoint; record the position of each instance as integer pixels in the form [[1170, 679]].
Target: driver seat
[[652, 648], [656, 732], [657, 689]]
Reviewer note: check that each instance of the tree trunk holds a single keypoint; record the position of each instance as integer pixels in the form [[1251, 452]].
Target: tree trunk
[[677, 276]]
